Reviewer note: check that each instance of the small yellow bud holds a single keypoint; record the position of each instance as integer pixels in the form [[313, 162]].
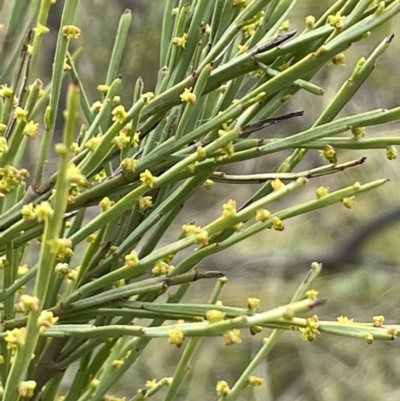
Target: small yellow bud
[[391, 153], [151, 383], [349, 202], [277, 224], [96, 106], [344, 319], [336, 20], [41, 30], [378, 320], [176, 337], [222, 388], [129, 164], [312, 294], [232, 337], [214, 315], [285, 26], [255, 330], [145, 202], [254, 381], [253, 304], [92, 143], [161, 268], [43, 211], [369, 338], [338, 59], [29, 303], [106, 203], [180, 41], [103, 89], [328, 153], [201, 152], [321, 192], [262, 215], [288, 314], [229, 209], [358, 132], [31, 129], [310, 21], [71, 31], [208, 183], [117, 363], [132, 259], [46, 320], [277, 184], [26, 389]]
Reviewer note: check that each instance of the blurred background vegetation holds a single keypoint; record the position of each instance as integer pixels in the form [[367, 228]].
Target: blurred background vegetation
[[359, 284]]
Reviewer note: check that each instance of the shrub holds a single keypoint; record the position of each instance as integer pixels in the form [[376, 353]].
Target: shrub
[[124, 175]]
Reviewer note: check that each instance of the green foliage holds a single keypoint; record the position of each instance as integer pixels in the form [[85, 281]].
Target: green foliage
[[102, 216]]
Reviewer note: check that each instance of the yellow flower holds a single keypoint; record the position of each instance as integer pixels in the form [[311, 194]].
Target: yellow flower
[[309, 332], [321, 192], [5, 91], [378, 320], [106, 203], [336, 20], [180, 41], [147, 178], [232, 337], [121, 140], [92, 143], [344, 319], [71, 31], [161, 268], [41, 29], [312, 294], [255, 381], [119, 114], [358, 132], [132, 259], [176, 337], [26, 389], [151, 383], [29, 303], [145, 202], [27, 212], [277, 224], [187, 96], [262, 215], [135, 139], [15, 338], [277, 184], [103, 89], [349, 202], [310, 21], [3, 146], [391, 153], [229, 209], [43, 211], [20, 114], [214, 315], [222, 387], [128, 164], [31, 129], [46, 320], [253, 303], [285, 25]]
